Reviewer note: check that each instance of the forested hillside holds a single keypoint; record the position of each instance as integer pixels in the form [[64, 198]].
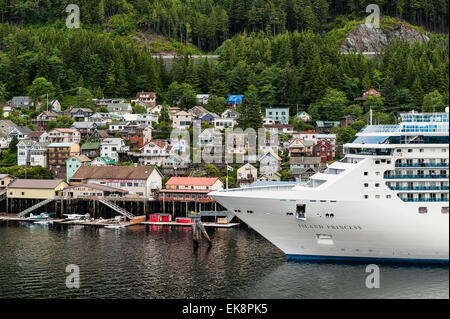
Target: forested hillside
[[207, 23], [300, 68]]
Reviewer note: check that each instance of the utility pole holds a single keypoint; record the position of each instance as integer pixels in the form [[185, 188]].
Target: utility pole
[[226, 181]]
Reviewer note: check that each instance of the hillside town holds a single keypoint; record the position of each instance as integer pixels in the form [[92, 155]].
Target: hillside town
[[104, 148]]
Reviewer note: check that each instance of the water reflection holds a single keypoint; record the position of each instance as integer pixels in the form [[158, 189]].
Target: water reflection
[[160, 262]]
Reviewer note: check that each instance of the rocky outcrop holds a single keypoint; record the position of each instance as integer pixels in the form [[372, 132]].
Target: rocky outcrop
[[370, 39]]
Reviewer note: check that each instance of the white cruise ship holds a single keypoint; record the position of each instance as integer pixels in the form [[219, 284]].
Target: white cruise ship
[[386, 200]]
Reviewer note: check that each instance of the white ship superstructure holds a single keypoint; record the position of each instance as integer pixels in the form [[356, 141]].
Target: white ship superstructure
[[386, 199]]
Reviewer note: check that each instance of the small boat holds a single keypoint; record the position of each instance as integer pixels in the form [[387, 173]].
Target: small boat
[[43, 222], [114, 226], [41, 216]]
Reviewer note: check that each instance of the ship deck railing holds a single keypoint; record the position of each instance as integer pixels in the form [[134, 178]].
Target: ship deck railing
[[425, 200], [415, 176], [263, 188], [422, 165], [419, 188]]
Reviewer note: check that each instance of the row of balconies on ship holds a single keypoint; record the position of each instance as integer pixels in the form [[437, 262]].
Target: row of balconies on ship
[[423, 198], [421, 163], [420, 176]]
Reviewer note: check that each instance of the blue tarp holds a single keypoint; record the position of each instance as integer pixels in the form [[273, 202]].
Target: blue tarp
[[235, 99]]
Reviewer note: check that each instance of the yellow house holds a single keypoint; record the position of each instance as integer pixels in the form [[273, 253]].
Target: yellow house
[[35, 188], [5, 180]]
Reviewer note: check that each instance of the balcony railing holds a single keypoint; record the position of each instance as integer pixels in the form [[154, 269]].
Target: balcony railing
[[421, 165], [419, 188], [425, 199], [414, 176]]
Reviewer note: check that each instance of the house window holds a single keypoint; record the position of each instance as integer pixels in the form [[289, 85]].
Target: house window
[[366, 185], [423, 210], [366, 173], [444, 210], [366, 196]]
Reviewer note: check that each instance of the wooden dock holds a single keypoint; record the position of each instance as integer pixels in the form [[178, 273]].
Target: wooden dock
[[206, 224]]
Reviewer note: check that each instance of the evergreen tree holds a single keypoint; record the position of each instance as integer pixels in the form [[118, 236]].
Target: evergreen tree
[[250, 110], [417, 92]]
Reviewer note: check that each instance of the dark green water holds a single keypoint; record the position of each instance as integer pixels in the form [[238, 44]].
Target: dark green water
[[160, 262]]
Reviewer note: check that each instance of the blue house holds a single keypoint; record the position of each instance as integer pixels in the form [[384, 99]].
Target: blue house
[[207, 118]]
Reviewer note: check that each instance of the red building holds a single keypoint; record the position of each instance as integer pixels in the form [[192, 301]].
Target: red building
[[190, 189], [324, 150]]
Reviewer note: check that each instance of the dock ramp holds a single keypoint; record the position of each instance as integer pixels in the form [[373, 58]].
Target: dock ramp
[[118, 209], [40, 204]]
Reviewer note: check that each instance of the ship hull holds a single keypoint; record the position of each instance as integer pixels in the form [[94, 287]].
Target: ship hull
[[357, 230]]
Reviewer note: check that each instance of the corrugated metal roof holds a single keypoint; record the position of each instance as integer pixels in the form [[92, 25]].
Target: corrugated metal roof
[[36, 183], [192, 181], [113, 172]]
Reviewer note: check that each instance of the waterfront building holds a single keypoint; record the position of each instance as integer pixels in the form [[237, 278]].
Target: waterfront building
[[92, 191], [5, 180], [35, 188], [74, 163], [136, 180], [190, 189]]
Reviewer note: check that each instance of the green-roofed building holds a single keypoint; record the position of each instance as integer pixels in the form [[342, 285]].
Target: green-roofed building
[[103, 161], [324, 127], [91, 149]]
